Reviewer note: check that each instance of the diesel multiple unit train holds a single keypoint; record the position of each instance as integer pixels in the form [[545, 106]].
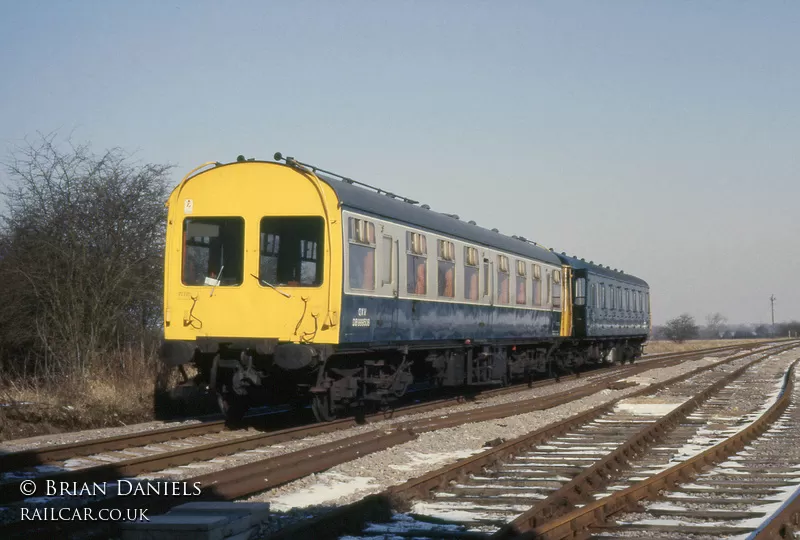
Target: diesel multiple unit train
[[288, 283]]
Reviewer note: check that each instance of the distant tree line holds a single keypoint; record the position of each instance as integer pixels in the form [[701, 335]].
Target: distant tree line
[[684, 327], [81, 255]]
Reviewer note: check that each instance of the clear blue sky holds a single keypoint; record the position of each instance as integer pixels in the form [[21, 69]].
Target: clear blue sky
[[657, 137]]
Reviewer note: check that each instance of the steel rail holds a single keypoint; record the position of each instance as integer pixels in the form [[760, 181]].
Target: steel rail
[[577, 522], [13, 461], [10, 491], [599, 475], [344, 519], [246, 477]]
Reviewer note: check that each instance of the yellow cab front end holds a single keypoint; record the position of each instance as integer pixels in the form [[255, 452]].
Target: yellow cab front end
[[253, 274]]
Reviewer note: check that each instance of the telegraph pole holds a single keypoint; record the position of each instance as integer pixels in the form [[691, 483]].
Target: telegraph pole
[[772, 307]]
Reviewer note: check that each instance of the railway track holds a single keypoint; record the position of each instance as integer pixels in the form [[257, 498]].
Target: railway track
[[743, 495], [531, 480], [10, 490], [264, 474], [15, 461]]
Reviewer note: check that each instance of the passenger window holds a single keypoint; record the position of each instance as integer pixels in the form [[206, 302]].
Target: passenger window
[[388, 261], [291, 249], [580, 291], [362, 254], [471, 271], [417, 255], [548, 293], [556, 289], [213, 251], [447, 269], [536, 284], [612, 304], [647, 301], [522, 283], [486, 288], [502, 279]]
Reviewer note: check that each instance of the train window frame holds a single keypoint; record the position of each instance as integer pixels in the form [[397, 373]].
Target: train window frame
[[521, 280], [217, 280], [362, 242], [556, 292], [612, 298], [580, 291], [536, 285], [503, 270], [446, 261], [387, 260], [416, 254], [471, 269], [291, 232], [487, 285]]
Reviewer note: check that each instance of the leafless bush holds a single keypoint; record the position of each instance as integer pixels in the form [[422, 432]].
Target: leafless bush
[[82, 253]]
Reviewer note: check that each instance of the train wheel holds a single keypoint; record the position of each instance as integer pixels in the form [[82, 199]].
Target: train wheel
[[321, 407], [232, 406]]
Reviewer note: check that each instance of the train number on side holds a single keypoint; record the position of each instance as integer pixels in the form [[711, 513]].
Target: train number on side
[[362, 320]]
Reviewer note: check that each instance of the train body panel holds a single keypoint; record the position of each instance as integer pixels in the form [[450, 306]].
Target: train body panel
[[281, 281], [393, 322], [608, 303], [232, 218]]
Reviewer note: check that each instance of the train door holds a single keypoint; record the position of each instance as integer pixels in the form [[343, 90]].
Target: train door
[[390, 283], [488, 295], [388, 286], [582, 299]]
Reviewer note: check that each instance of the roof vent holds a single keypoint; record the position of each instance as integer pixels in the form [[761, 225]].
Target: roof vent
[[454, 216], [472, 222], [591, 262], [496, 230], [522, 238], [425, 206], [583, 260], [551, 249], [564, 253]]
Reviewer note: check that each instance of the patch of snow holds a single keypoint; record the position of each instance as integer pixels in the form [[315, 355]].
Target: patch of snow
[[331, 487], [420, 458], [648, 409]]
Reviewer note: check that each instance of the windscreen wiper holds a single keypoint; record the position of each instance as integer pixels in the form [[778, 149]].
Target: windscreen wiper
[[273, 287]]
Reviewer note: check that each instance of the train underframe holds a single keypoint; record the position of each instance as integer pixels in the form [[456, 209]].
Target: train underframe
[[337, 383]]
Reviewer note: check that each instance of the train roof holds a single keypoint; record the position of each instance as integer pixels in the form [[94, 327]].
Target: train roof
[[580, 264], [396, 209]]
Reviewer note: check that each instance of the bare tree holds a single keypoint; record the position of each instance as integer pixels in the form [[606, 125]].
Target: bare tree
[[82, 254], [681, 328], [715, 325]]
